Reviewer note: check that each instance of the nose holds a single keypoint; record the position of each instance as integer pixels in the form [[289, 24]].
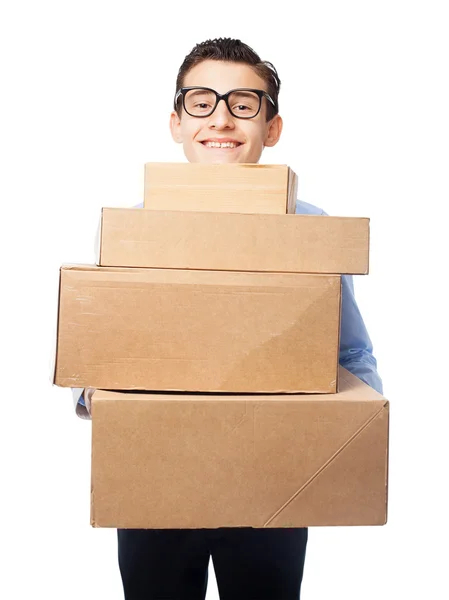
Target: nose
[[221, 118]]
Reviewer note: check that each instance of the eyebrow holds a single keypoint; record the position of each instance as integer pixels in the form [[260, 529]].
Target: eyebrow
[[244, 93], [200, 92]]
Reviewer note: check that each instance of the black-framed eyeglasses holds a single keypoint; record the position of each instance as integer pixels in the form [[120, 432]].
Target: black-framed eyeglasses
[[243, 103]]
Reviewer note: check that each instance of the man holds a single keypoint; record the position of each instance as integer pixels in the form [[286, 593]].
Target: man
[[226, 111]]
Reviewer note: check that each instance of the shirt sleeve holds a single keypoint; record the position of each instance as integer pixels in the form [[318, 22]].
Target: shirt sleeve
[[356, 349], [80, 405]]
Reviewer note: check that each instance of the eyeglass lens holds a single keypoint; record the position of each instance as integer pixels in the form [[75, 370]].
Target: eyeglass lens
[[201, 103]]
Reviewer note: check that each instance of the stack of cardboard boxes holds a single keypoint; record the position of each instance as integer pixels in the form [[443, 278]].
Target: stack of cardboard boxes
[[219, 324]]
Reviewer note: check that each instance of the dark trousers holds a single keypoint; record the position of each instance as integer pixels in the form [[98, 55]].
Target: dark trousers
[[249, 564]]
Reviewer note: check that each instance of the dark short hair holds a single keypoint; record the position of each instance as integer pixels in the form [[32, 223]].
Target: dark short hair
[[230, 50]]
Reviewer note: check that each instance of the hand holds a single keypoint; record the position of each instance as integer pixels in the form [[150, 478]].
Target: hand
[[88, 393]]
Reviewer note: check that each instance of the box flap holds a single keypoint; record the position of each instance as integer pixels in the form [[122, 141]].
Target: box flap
[[361, 463]]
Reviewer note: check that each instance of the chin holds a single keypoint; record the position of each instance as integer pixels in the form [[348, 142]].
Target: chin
[[216, 160], [223, 160], [217, 156]]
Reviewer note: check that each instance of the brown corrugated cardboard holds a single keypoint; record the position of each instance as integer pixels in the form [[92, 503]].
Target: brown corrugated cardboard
[[214, 331], [241, 188], [234, 242], [207, 461]]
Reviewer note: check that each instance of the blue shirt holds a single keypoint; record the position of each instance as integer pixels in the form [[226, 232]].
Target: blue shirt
[[356, 349]]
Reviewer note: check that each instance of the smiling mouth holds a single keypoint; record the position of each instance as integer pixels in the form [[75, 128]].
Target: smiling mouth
[[221, 145]]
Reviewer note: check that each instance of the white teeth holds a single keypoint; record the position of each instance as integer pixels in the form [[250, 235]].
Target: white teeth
[[218, 145]]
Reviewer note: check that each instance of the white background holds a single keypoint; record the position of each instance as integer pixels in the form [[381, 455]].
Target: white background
[[87, 89]]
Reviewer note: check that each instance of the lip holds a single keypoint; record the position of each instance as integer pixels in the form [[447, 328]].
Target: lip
[[221, 141]]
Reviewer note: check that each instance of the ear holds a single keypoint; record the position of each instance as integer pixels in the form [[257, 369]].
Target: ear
[[274, 130], [175, 127]]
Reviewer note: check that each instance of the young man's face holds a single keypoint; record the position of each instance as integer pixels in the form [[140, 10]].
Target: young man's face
[[200, 136]]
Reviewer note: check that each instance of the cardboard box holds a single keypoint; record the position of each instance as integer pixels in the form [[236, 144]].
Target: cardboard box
[[241, 188], [214, 331], [233, 242], [205, 461]]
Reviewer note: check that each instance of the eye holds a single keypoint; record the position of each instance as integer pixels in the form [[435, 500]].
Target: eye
[[244, 103], [241, 108], [199, 102]]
